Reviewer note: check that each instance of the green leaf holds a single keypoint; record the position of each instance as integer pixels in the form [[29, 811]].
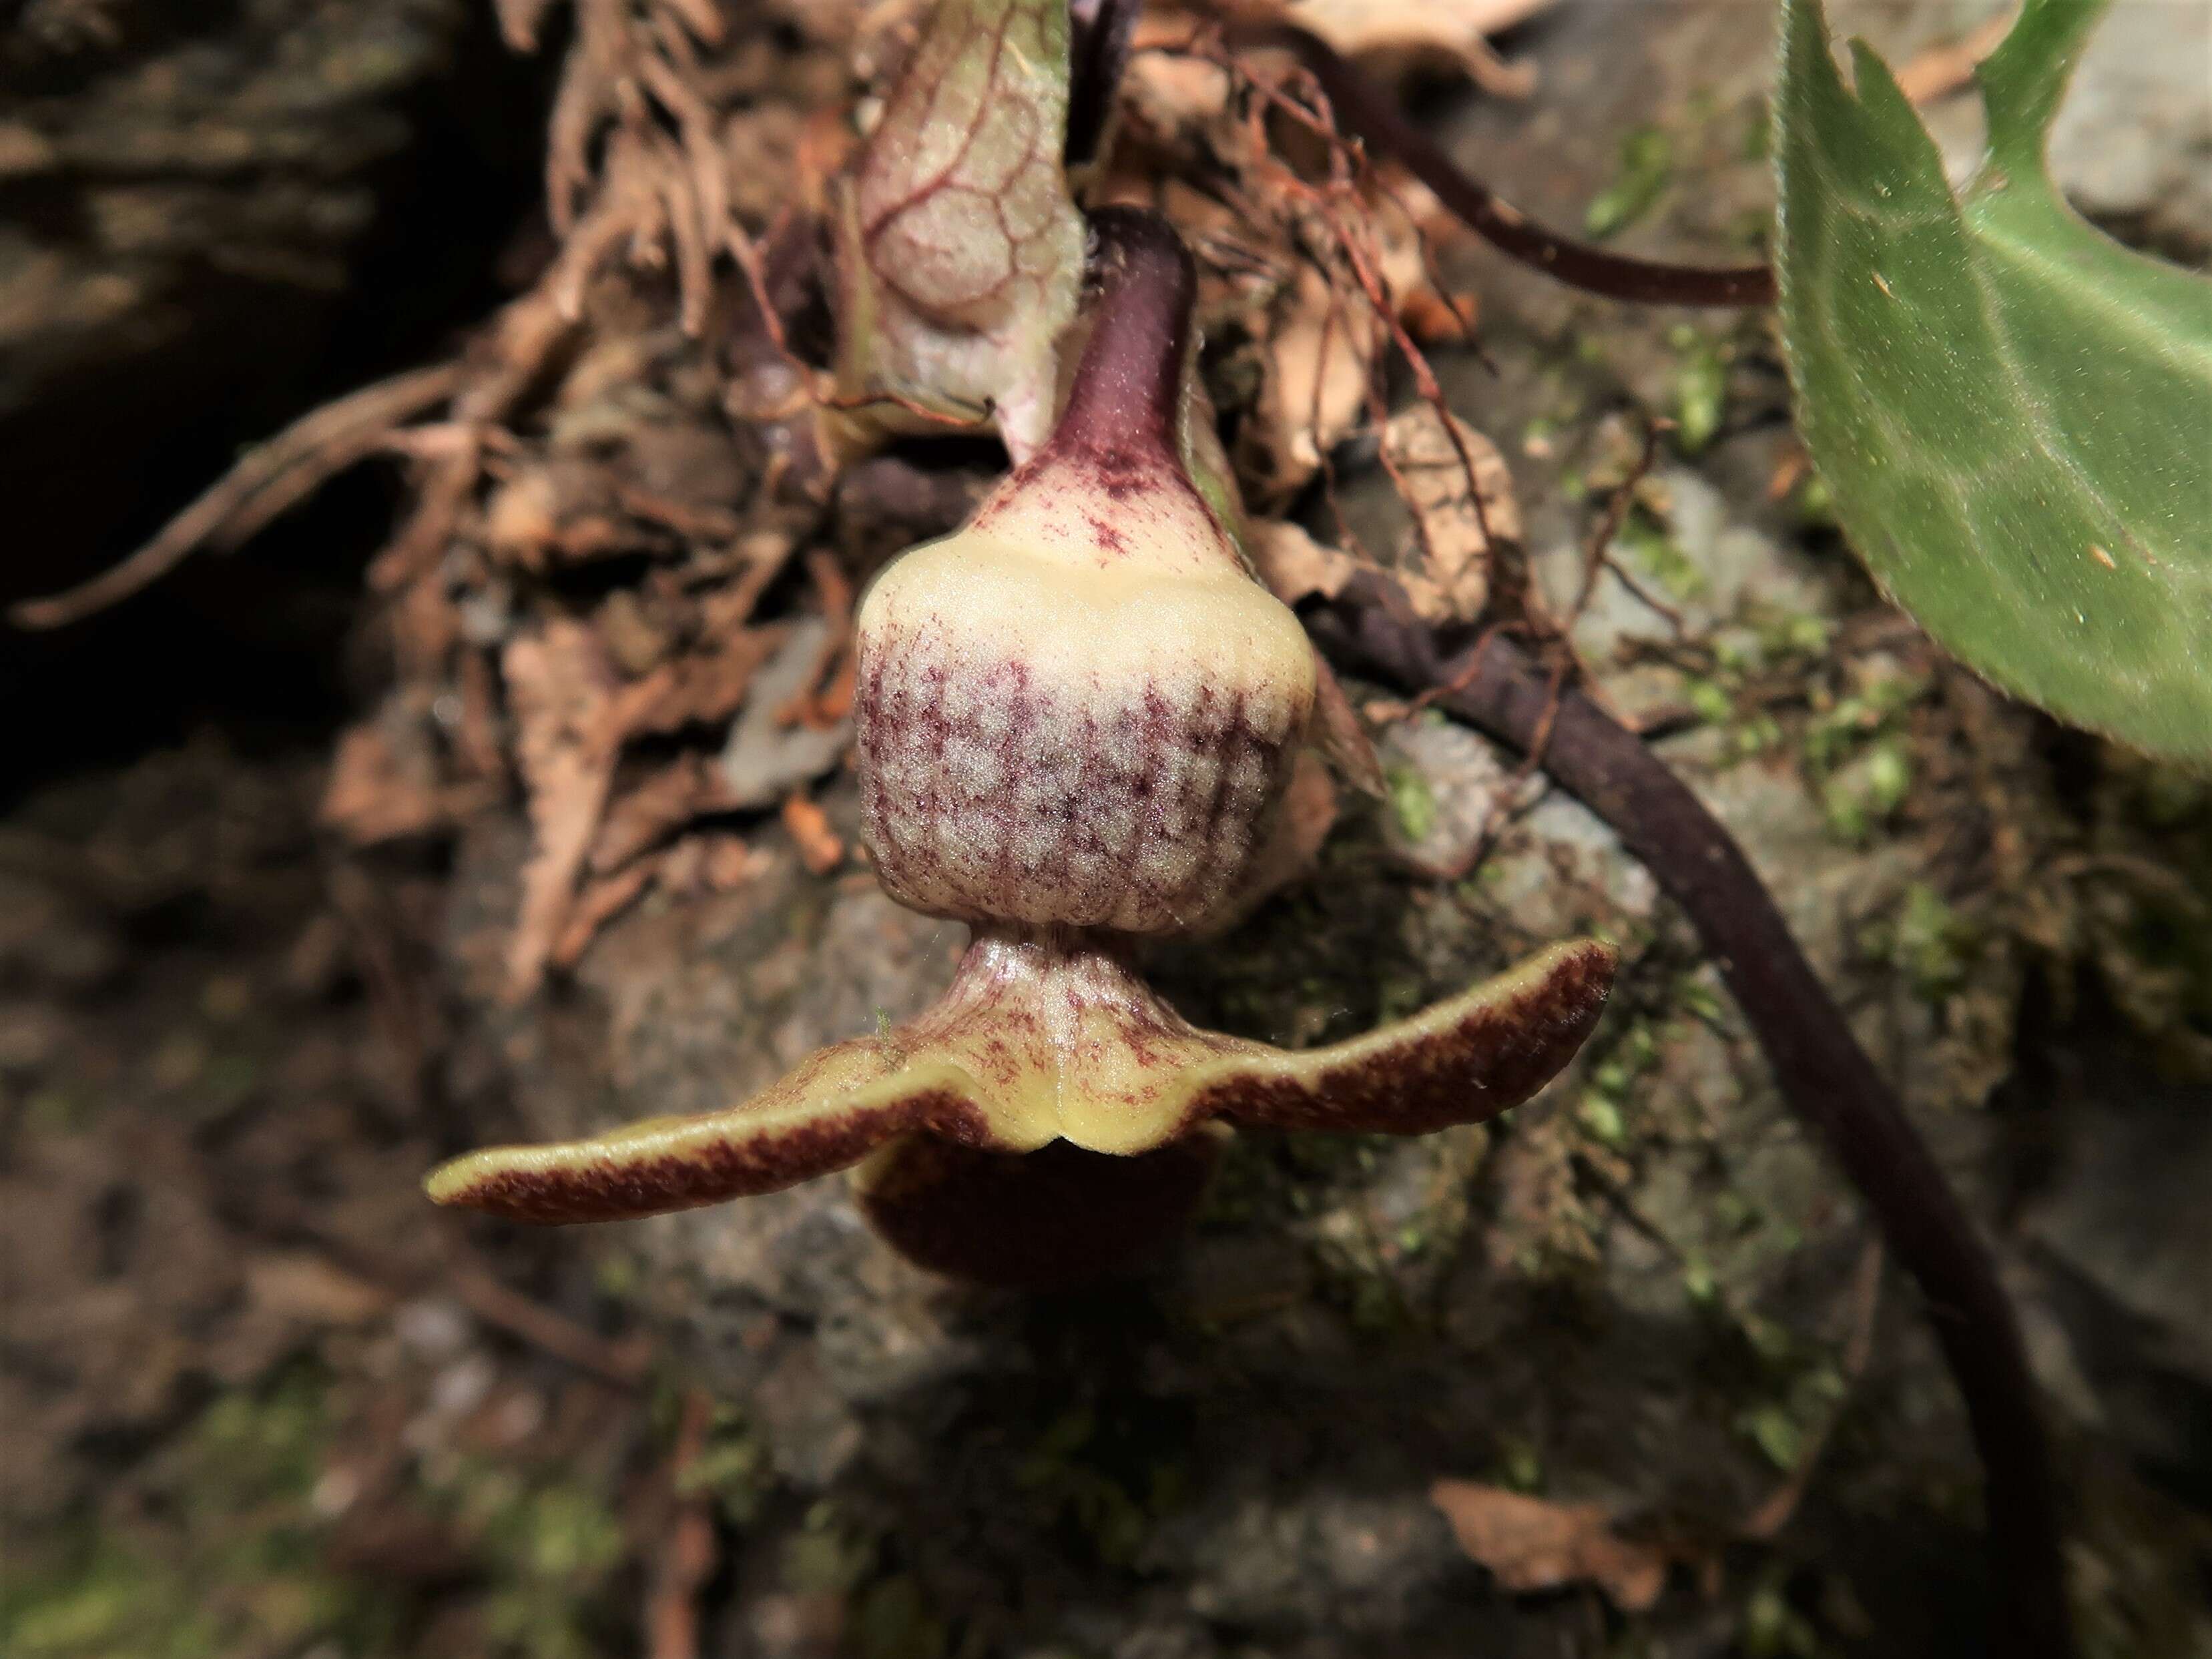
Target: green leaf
[[959, 249], [2013, 412]]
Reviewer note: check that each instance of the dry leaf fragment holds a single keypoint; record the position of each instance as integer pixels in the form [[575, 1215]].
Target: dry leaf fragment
[[714, 862], [688, 788], [1319, 358], [1434, 319], [1533, 1543], [766, 759], [303, 1285], [704, 688], [382, 791], [819, 848], [726, 862], [560, 688], [1322, 351], [599, 902], [1296, 566], [761, 147], [1412, 35], [1445, 567], [1166, 91]]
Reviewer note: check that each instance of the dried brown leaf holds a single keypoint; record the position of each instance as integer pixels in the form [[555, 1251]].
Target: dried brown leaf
[[1328, 331], [688, 788], [728, 861], [1533, 1543], [520, 22], [601, 900], [1319, 359], [1169, 93], [761, 150], [767, 759], [1433, 318], [1397, 35], [1446, 566], [704, 688], [819, 848], [1943, 69], [380, 789], [304, 1285], [561, 690], [1296, 566]]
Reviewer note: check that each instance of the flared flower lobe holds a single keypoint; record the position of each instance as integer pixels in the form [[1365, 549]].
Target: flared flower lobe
[[1049, 1040]]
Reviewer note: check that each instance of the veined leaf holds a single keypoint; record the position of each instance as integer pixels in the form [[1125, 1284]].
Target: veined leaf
[[2013, 412], [959, 249]]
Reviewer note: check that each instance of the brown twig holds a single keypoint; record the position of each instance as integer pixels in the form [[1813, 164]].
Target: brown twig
[[1824, 1075], [685, 1559], [1366, 113], [1099, 51], [1598, 556], [624, 1363], [1340, 207], [270, 478]]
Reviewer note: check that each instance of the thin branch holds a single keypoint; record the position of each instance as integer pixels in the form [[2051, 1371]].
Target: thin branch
[[268, 478], [1363, 111], [1599, 557], [1825, 1075]]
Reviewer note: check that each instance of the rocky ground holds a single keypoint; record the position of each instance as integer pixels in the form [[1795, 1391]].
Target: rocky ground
[[1639, 1331]]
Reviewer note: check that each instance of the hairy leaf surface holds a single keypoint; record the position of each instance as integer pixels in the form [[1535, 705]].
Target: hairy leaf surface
[[2013, 412]]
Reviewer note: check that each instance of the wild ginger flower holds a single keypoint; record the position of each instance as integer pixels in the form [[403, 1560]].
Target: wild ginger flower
[[1076, 718]]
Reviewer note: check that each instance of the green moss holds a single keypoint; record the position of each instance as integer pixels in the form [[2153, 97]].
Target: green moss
[[732, 1466], [1520, 1465], [1816, 505], [58, 1111], [1602, 1119], [1657, 555], [1112, 1483], [1758, 132], [1775, 1432], [1413, 803], [1698, 1285], [617, 1274], [230, 1563], [1800, 636], [1710, 701], [1770, 1628], [1929, 941], [1647, 165], [1700, 394], [1860, 797]]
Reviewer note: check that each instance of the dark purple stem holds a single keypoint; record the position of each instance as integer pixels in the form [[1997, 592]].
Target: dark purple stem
[[1363, 111], [1128, 384], [1098, 52], [1825, 1075]]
